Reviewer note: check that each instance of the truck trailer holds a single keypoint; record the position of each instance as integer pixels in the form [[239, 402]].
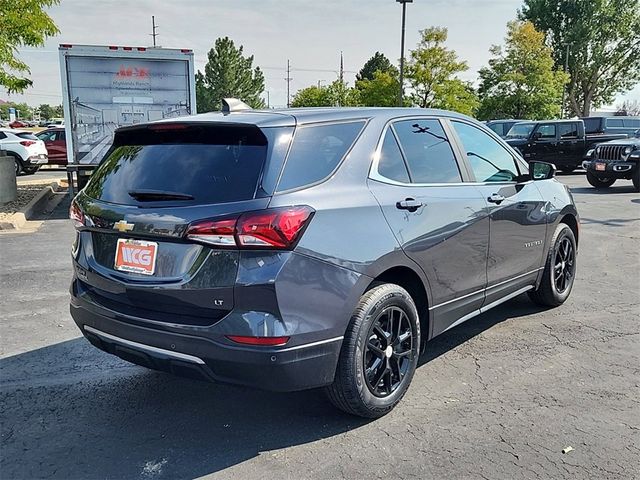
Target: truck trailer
[[106, 87]]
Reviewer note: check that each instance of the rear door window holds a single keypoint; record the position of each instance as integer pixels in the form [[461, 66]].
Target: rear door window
[[201, 164], [547, 131], [316, 151], [614, 122], [427, 150], [391, 164], [568, 130]]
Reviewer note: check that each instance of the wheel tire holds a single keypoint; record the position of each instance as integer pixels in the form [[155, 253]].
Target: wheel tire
[[31, 170], [636, 178], [599, 182], [18, 164], [567, 169], [351, 390], [550, 292]]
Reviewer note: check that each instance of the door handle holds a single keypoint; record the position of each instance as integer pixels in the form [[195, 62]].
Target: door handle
[[495, 198], [410, 204]]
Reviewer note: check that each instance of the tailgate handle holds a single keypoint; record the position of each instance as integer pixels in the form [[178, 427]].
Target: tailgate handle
[[410, 204]]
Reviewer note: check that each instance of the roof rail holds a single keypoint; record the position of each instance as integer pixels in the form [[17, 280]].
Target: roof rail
[[230, 105]]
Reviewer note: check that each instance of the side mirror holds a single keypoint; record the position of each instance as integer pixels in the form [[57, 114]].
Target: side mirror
[[537, 135], [541, 170]]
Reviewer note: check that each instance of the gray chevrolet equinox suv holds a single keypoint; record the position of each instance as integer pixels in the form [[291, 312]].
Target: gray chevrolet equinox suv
[[303, 248]]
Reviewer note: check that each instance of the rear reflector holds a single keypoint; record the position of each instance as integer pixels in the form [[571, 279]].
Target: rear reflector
[[262, 341], [276, 228]]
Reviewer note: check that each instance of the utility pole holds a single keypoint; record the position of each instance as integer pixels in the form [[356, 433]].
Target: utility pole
[[154, 27], [404, 20], [288, 79], [268, 100]]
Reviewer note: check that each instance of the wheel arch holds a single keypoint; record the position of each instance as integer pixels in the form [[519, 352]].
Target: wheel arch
[[572, 221], [414, 283]]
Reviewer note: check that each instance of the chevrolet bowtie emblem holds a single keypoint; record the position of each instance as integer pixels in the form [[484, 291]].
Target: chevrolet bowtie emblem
[[123, 226]]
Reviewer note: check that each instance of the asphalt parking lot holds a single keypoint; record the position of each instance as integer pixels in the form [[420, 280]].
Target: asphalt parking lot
[[498, 397]]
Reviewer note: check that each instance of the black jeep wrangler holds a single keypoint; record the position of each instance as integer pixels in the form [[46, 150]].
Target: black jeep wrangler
[[610, 161]]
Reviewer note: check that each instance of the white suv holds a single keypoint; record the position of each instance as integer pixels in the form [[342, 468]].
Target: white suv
[[28, 151]]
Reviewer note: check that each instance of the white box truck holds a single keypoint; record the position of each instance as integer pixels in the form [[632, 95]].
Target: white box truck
[[105, 87]]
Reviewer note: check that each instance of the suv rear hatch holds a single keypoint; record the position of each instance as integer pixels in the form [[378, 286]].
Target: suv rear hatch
[[154, 182]]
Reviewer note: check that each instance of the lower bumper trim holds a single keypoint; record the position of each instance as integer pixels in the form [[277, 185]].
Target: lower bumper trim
[[143, 347]]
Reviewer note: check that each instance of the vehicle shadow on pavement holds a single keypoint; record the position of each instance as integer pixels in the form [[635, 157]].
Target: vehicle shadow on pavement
[[71, 411], [520, 306]]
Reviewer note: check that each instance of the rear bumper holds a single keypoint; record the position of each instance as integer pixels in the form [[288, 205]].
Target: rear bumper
[[38, 159], [284, 368]]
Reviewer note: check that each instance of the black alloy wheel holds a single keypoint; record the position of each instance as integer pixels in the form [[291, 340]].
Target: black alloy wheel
[[564, 265], [387, 355]]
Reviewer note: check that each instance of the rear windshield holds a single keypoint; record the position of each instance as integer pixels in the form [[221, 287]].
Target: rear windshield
[[592, 125], [26, 135], [201, 165]]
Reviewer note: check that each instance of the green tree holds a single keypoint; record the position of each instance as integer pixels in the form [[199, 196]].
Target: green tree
[[521, 81], [431, 73], [380, 91], [228, 74], [46, 111], [23, 110], [22, 23], [313, 96], [336, 94], [342, 95], [603, 40], [58, 111], [377, 63]]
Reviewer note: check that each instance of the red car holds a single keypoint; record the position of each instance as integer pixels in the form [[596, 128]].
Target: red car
[[18, 124], [55, 141]]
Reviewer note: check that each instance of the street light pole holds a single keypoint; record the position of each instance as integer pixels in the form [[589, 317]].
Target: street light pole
[[404, 18]]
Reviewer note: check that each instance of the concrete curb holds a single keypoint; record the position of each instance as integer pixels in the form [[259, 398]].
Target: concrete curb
[[18, 219]]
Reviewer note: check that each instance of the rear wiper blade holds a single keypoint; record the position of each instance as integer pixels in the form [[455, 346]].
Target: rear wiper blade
[[159, 195]]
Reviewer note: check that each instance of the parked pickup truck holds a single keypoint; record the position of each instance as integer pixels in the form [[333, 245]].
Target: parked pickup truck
[[561, 142], [614, 160], [608, 125]]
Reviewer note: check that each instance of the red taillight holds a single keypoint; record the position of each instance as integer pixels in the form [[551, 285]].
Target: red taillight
[[127, 48], [262, 341], [27, 143], [216, 232], [277, 228], [76, 215]]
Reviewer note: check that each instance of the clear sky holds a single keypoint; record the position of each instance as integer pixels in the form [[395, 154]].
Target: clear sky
[[311, 33]]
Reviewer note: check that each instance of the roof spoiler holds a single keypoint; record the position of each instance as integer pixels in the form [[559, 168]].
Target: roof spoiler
[[230, 105]]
